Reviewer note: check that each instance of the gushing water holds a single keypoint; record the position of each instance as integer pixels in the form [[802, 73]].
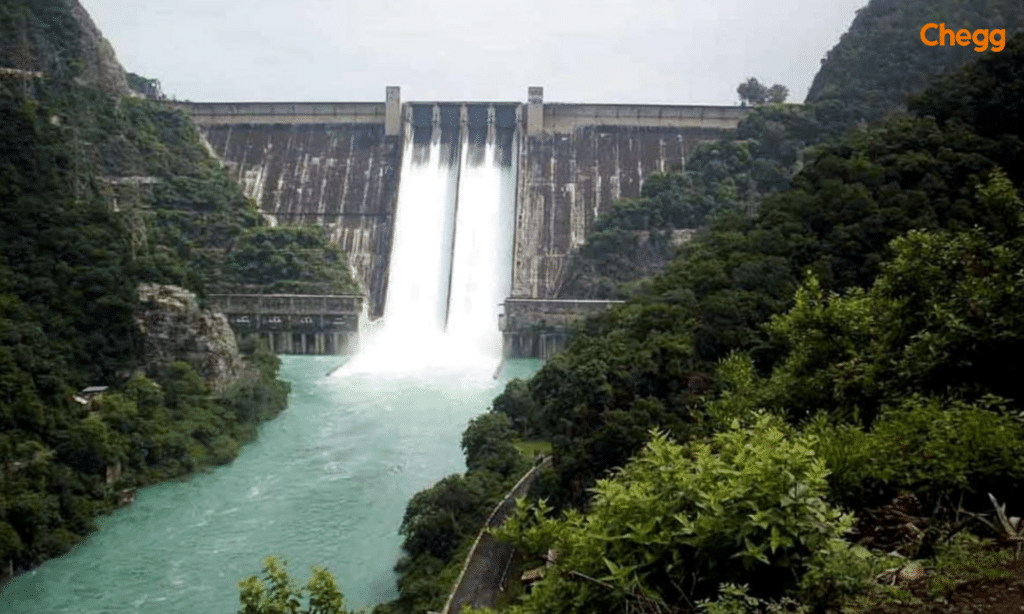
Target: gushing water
[[482, 263], [450, 267]]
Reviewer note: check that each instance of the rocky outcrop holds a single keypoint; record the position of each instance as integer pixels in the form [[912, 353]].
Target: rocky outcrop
[[100, 66], [57, 38], [174, 328]]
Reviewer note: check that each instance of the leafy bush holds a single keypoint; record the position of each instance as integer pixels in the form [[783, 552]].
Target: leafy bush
[[736, 599], [677, 521], [841, 572], [277, 593], [931, 447]]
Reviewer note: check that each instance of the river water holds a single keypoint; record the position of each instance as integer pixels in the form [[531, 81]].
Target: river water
[[326, 483]]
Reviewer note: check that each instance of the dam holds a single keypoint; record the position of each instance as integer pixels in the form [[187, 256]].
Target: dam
[[542, 172]]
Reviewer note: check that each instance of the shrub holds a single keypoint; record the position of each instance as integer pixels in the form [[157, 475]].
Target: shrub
[[931, 447], [678, 521]]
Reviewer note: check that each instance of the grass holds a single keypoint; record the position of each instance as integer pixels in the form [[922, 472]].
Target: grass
[[531, 447]]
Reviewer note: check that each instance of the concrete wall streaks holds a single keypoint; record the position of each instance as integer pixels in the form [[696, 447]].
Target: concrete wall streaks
[[568, 178], [337, 164], [341, 176]]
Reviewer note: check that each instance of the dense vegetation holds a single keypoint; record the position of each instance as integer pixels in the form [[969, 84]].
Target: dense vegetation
[[861, 323], [881, 59], [295, 259], [870, 74], [99, 192]]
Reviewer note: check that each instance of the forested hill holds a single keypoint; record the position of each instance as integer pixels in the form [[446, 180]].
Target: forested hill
[[102, 190], [871, 72], [751, 430], [881, 59]]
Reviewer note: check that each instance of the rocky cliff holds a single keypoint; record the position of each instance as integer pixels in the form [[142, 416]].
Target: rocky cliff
[[173, 327], [59, 39]]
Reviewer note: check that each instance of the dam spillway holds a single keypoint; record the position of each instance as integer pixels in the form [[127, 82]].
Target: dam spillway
[[451, 255], [552, 169]]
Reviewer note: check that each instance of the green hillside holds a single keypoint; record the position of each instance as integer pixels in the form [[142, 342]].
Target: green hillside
[[820, 378], [100, 191]]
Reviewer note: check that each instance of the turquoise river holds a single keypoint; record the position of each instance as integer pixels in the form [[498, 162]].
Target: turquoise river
[[325, 483]]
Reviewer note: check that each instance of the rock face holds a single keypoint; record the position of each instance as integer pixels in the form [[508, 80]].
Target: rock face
[[101, 68], [174, 328], [58, 38]]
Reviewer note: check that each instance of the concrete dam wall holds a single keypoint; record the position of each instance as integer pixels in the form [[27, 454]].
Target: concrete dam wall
[[578, 159], [332, 164], [338, 165]]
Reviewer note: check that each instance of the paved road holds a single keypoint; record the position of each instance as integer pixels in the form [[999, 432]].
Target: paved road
[[480, 584], [488, 561]]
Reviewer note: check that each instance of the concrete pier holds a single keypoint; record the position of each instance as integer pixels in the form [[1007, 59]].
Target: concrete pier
[[539, 328], [294, 323]]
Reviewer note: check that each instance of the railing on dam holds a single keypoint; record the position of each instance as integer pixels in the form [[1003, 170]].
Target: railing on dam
[[558, 117], [538, 328], [294, 323], [209, 113], [561, 117], [328, 304]]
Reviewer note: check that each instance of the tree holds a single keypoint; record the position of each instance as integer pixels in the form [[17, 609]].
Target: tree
[[276, 592], [487, 442], [753, 92], [438, 518], [777, 94]]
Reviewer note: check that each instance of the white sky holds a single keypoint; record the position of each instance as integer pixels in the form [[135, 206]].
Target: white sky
[[600, 51]]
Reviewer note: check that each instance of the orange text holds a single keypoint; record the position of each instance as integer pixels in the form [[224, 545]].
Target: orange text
[[981, 38]]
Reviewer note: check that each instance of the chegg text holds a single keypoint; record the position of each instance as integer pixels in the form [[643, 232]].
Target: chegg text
[[981, 37]]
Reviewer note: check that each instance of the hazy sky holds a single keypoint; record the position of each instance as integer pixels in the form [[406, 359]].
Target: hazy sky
[[654, 51]]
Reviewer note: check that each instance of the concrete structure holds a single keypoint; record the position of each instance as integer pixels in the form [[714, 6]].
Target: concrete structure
[[538, 328], [294, 323], [534, 111], [329, 164], [581, 159], [338, 165], [392, 111]]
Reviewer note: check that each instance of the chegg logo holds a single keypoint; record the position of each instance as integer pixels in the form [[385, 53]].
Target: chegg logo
[[980, 37]]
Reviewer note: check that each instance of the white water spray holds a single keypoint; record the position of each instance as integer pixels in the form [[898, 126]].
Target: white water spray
[[482, 263], [412, 335]]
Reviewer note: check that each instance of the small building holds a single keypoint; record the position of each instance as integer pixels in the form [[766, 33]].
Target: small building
[[87, 394]]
